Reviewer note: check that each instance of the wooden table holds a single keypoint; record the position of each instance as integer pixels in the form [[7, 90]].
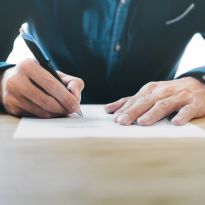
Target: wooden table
[[100, 171]]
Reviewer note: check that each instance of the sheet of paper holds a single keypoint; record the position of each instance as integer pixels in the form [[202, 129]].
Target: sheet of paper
[[97, 124]]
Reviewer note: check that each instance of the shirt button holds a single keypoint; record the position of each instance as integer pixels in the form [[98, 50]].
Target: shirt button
[[122, 1], [118, 47]]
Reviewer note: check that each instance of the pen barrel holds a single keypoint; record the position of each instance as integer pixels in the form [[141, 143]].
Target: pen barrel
[[48, 66]]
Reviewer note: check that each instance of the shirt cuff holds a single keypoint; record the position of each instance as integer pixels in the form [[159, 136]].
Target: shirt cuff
[[4, 66], [197, 73]]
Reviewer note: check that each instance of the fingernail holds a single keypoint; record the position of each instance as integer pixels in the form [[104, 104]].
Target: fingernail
[[123, 119], [116, 116], [75, 108], [144, 119], [177, 120], [107, 108]]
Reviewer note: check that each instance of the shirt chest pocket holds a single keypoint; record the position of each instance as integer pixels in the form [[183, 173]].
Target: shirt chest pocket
[[180, 14]]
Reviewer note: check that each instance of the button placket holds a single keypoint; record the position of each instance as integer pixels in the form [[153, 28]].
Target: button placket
[[122, 1], [118, 47], [118, 29]]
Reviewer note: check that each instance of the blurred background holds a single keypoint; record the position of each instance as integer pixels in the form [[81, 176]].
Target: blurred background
[[194, 55]]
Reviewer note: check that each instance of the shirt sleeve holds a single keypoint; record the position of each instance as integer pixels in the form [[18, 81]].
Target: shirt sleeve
[[4, 66], [197, 73]]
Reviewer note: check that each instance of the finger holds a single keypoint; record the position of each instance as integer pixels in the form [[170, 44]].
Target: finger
[[186, 114], [29, 107], [151, 89], [43, 100], [113, 107], [162, 109], [76, 87], [14, 110], [136, 110], [144, 91], [23, 107], [54, 88], [74, 84], [132, 100]]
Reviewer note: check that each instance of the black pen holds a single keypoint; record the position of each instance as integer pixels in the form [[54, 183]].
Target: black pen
[[41, 56]]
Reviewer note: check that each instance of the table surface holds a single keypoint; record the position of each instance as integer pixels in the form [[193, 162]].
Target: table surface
[[100, 171]]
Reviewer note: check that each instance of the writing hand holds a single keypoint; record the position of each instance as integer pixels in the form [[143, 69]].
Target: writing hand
[[28, 89]]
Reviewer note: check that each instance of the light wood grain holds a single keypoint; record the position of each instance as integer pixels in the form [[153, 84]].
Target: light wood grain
[[103, 171]]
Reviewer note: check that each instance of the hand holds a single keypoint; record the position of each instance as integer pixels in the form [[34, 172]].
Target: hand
[[157, 100], [28, 89]]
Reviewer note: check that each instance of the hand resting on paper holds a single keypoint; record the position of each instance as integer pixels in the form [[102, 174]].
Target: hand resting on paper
[[156, 100]]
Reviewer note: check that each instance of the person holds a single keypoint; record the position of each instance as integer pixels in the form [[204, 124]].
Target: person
[[125, 52]]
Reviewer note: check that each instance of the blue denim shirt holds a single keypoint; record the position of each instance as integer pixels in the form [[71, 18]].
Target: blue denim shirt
[[115, 46]]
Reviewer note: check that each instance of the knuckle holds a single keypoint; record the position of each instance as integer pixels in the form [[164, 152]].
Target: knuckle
[[190, 109], [131, 100], [187, 79], [151, 85], [150, 117], [14, 111], [186, 94], [14, 84], [8, 100], [10, 84], [163, 104], [81, 82], [168, 90], [124, 99], [10, 105], [131, 114], [147, 99], [26, 65]]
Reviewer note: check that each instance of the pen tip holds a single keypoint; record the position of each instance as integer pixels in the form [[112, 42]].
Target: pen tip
[[80, 113]]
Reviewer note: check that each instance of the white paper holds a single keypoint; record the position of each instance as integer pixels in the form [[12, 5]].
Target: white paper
[[97, 124]]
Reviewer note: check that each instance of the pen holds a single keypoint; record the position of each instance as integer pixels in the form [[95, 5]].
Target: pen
[[41, 56]]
